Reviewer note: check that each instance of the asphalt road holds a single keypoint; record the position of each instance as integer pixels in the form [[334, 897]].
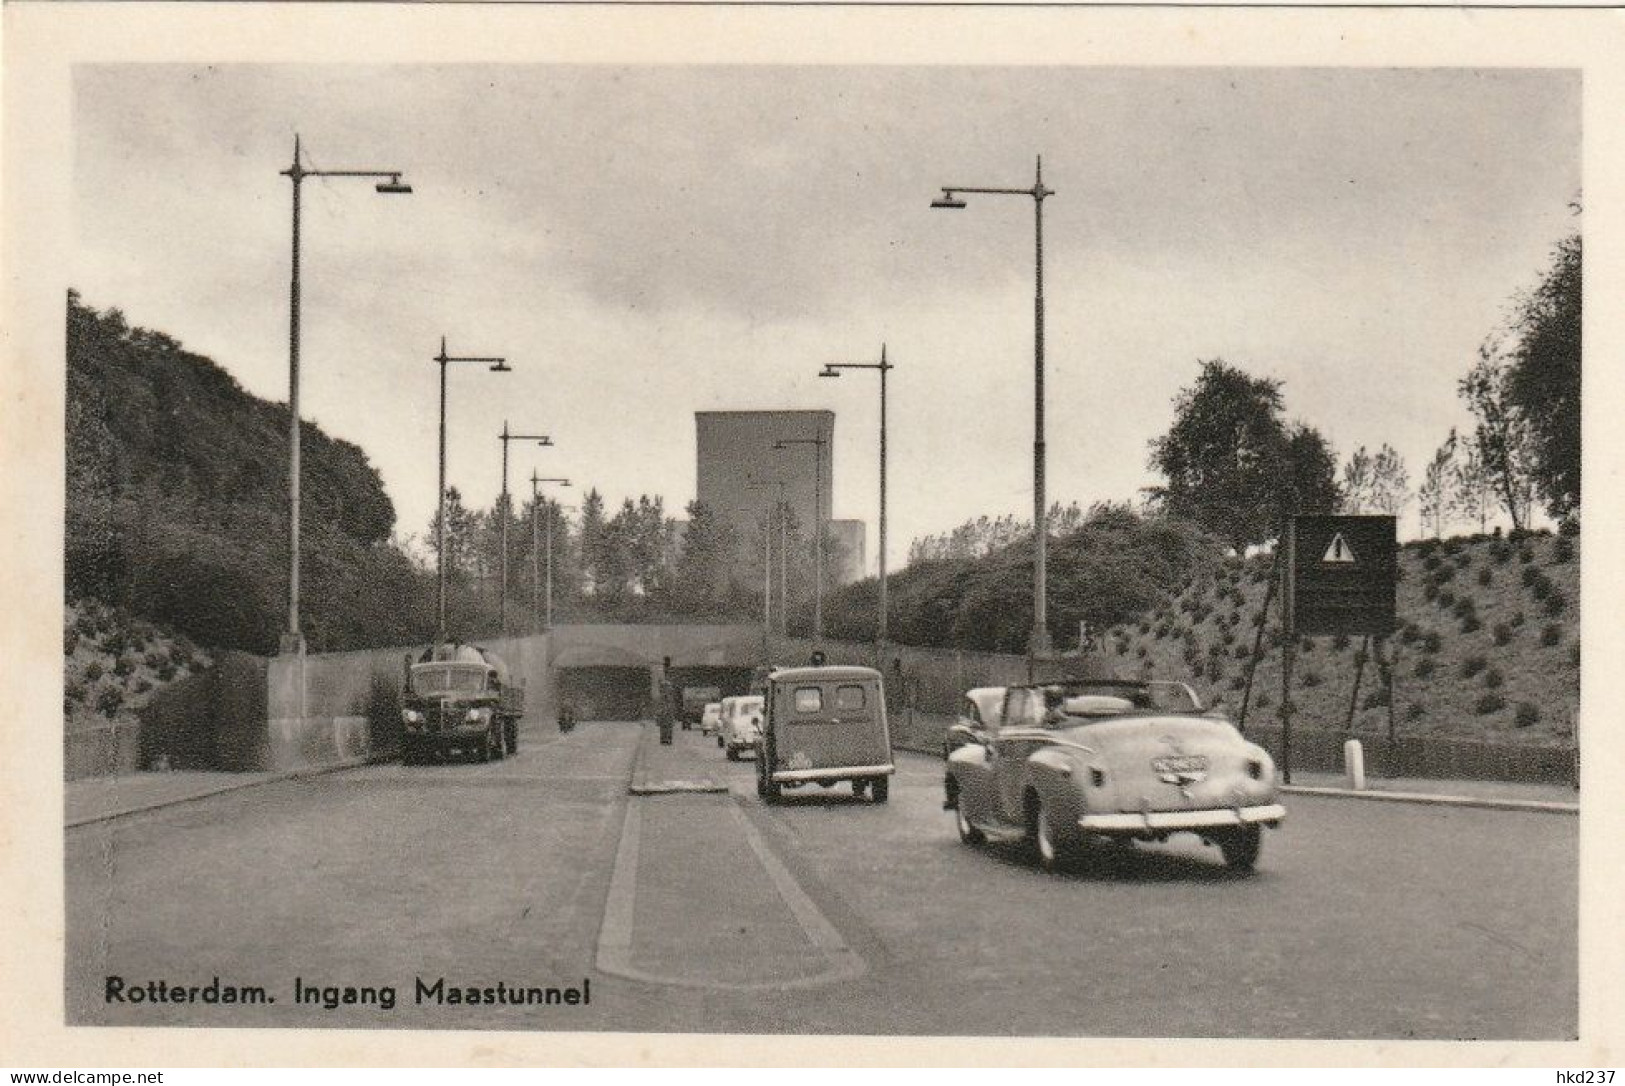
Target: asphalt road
[[713, 913]]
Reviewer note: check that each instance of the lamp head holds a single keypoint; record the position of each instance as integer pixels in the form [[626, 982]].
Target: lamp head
[[394, 187], [948, 200], [501, 367], [547, 441], [829, 371], [779, 445]]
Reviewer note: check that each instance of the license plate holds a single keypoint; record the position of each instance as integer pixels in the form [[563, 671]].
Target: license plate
[[1182, 768]]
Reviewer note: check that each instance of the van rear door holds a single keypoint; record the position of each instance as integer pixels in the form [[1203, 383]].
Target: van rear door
[[829, 724]]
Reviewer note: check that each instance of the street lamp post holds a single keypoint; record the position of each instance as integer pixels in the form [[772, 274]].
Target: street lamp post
[[818, 444], [497, 365], [502, 504], [833, 369], [767, 562], [293, 640], [536, 482], [1039, 642]]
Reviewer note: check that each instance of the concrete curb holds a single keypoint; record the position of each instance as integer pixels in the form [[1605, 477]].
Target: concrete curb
[[1484, 803], [639, 784], [235, 786]]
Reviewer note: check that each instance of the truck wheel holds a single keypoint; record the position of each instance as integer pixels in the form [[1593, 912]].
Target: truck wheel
[[880, 789], [858, 785], [410, 753], [733, 755], [720, 743], [513, 736], [766, 786]]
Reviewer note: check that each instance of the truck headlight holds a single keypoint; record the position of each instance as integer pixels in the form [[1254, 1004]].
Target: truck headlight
[[473, 716], [411, 716]]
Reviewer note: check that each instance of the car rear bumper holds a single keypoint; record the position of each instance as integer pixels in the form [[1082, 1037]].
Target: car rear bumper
[[836, 773], [1217, 818]]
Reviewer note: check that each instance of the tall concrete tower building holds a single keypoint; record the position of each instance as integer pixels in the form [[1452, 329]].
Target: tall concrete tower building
[[735, 449]]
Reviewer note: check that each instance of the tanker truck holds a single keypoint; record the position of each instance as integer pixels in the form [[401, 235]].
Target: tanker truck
[[459, 698]]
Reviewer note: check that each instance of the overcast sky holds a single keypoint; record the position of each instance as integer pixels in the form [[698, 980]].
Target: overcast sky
[[642, 243]]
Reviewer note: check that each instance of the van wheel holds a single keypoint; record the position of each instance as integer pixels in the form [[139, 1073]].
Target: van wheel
[[733, 755], [513, 736], [720, 743], [766, 786], [880, 789]]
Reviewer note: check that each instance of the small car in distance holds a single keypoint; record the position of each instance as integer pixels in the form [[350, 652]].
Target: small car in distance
[[740, 724], [711, 718], [825, 725], [1072, 763]]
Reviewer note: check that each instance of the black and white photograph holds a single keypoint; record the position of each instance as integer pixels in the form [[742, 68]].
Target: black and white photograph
[[817, 546]]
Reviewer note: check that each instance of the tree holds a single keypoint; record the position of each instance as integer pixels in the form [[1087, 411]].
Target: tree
[[590, 537], [1232, 465], [1357, 482], [1436, 497], [1543, 378], [1472, 483], [1502, 435], [1390, 482], [702, 581]]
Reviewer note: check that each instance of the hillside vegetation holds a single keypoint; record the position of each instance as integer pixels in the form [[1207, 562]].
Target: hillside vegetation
[[177, 503], [1487, 649], [113, 663]]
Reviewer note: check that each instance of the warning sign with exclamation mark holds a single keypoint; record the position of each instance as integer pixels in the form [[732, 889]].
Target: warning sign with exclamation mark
[[1339, 550]]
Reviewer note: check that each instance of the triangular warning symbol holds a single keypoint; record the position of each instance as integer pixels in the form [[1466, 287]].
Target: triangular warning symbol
[[1338, 551]]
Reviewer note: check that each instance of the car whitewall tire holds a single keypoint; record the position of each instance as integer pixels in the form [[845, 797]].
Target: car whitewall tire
[[968, 832]]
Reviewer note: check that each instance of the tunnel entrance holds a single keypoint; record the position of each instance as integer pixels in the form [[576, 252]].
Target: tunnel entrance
[[605, 693], [702, 683]]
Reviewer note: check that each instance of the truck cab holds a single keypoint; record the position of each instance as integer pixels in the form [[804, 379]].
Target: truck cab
[[458, 698]]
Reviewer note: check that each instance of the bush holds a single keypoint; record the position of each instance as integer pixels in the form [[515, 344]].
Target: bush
[[1409, 633], [1501, 551], [1502, 633], [1471, 624], [109, 700], [1486, 576], [123, 666], [1568, 526], [1464, 607], [1447, 599], [1526, 715], [86, 624], [1431, 642], [72, 691], [1259, 617], [1525, 555], [1241, 652], [1562, 551], [166, 671], [1376, 699], [1472, 666], [1310, 678], [1551, 635], [1493, 679], [1263, 701], [1542, 586], [93, 670], [1430, 562], [70, 641], [1424, 667], [1489, 703], [1414, 712], [1554, 605], [142, 686], [1574, 655], [1340, 642], [1430, 591], [1238, 681], [1516, 620]]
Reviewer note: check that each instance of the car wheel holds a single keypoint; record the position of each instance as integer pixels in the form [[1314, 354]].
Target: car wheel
[[720, 743], [1241, 848], [968, 832], [858, 787], [880, 789], [1046, 844], [766, 786], [733, 755], [513, 737]]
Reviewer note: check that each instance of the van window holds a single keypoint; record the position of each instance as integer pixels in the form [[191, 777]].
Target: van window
[[849, 697], [809, 699]]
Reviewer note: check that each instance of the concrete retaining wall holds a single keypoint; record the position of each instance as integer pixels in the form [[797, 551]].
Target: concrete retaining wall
[[102, 750], [1322, 751]]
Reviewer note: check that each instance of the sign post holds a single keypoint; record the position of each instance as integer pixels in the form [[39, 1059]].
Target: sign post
[[1339, 578]]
